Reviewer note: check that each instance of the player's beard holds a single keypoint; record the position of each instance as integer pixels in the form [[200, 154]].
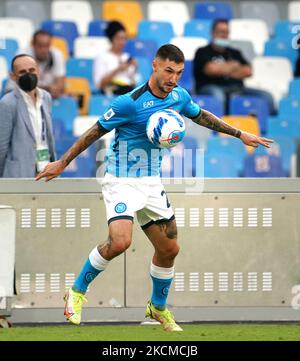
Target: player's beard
[[163, 89]]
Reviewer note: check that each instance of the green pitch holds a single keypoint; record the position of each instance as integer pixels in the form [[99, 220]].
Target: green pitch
[[194, 332]]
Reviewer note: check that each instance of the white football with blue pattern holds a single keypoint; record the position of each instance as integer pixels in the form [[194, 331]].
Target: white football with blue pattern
[[165, 128]]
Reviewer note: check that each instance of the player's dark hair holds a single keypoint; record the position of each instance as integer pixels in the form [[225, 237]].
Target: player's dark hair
[[17, 57], [112, 28], [217, 22], [170, 52], [40, 32]]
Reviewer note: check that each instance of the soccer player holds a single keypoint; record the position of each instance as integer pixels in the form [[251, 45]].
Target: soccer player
[[132, 183]]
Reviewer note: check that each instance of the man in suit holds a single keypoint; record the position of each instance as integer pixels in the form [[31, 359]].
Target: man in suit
[[26, 136]]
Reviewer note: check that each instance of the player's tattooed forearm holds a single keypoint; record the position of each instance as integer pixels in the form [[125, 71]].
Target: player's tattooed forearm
[[209, 120], [87, 138]]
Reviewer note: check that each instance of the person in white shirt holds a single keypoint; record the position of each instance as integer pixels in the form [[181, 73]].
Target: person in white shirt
[[115, 71], [51, 63]]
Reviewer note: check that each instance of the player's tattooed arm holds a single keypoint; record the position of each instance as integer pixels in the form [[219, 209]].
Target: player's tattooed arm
[[209, 120], [54, 169], [87, 138]]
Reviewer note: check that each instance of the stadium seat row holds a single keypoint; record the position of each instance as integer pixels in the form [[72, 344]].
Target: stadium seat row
[[252, 30], [178, 12]]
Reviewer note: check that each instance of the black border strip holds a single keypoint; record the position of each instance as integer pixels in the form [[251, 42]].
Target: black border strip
[[119, 217], [159, 221]]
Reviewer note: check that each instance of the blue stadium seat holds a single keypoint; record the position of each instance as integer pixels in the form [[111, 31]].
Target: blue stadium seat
[[190, 161], [281, 47], [213, 10], [82, 68], [284, 29], [290, 106], [227, 146], [183, 160], [8, 49], [263, 165], [210, 103], [97, 27], [84, 165], [99, 103], [294, 87], [64, 110], [64, 29], [198, 28], [144, 48], [159, 31], [144, 69], [59, 130], [284, 147], [246, 105], [64, 143], [283, 126], [187, 78], [218, 165]]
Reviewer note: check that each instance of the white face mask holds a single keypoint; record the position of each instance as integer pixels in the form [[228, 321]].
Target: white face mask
[[221, 42]]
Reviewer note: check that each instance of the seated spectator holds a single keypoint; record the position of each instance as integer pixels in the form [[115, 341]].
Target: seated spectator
[[50, 61], [115, 70], [219, 70]]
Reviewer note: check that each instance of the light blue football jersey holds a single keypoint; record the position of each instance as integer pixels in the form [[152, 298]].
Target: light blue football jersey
[[131, 154]]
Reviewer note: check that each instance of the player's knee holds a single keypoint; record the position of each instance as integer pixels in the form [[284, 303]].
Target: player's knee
[[170, 252], [120, 244], [175, 250]]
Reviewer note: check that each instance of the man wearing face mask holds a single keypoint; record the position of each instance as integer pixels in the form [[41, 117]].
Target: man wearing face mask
[[26, 136], [219, 70]]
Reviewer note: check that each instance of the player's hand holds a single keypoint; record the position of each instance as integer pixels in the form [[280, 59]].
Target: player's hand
[[52, 170], [254, 141]]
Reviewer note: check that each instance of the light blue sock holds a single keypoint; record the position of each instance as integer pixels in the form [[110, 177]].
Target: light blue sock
[[92, 267], [86, 276], [160, 292], [161, 279]]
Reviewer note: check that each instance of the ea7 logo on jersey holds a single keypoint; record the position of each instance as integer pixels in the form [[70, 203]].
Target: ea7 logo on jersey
[[109, 114], [148, 104]]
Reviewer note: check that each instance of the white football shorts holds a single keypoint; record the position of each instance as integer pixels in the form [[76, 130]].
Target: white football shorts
[[144, 196]]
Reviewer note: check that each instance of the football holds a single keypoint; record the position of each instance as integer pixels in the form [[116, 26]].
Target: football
[[165, 128]]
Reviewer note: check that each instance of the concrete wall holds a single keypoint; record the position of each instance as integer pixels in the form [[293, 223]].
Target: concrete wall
[[239, 248]]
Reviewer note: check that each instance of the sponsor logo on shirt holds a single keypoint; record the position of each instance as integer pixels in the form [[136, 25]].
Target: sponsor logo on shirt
[[109, 114], [148, 104]]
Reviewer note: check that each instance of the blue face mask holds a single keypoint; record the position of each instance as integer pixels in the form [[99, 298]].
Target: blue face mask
[[221, 42]]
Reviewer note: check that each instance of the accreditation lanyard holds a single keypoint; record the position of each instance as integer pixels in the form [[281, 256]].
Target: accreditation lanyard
[[42, 151]]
